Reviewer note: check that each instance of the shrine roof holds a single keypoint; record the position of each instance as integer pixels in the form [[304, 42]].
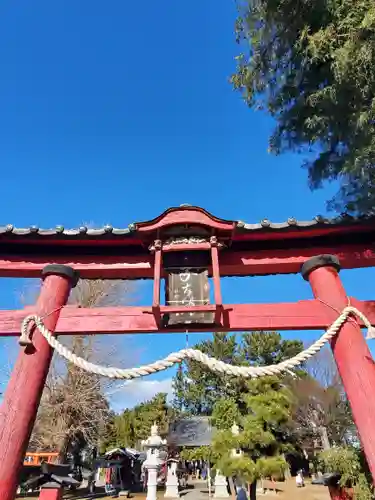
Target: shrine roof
[[177, 221]]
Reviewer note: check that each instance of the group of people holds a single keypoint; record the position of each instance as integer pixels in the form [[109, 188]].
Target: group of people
[[197, 469]]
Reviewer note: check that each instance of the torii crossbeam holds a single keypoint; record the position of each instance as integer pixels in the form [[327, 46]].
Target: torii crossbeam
[[185, 246]]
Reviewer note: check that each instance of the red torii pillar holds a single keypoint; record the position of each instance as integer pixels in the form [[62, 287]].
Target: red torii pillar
[[353, 358], [20, 405]]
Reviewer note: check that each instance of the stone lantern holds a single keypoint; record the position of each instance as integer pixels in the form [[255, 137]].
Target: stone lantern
[[221, 490], [153, 444]]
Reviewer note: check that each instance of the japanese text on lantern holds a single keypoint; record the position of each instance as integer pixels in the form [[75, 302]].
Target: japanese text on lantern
[[188, 288]]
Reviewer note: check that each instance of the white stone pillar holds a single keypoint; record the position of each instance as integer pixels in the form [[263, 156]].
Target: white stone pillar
[[221, 490], [172, 480], [152, 481]]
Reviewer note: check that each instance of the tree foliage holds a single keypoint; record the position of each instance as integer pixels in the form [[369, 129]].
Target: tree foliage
[[311, 65], [199, 453], [134, 425], [316, 401], [352, 467], [225, 413], [198, 389], [268, 412], [261, 407]]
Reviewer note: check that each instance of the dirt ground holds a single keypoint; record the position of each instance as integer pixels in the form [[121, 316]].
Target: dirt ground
[[285, 491], [289, 491]]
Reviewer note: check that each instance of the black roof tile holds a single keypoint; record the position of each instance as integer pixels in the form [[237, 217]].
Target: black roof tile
[[264, 225]]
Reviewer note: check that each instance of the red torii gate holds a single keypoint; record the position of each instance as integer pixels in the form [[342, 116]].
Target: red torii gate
[[181, 239]]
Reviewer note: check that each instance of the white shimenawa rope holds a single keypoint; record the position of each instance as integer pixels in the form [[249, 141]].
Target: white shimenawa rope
[[177, 357]]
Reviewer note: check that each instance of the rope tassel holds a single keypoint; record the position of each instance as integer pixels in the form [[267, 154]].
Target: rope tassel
[[177, 357], [370, 333]]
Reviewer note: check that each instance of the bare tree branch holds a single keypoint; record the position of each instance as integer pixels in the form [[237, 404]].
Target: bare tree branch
[[74, 407], [323, 368], [321, 405]]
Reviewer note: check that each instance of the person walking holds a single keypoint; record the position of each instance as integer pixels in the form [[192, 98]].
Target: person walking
[[300, 482], [241, 492]]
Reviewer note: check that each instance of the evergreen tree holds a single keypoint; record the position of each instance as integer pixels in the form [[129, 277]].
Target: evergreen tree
[[134, 425], [197, 389], [311, 65], [267, 348], [267, 413]]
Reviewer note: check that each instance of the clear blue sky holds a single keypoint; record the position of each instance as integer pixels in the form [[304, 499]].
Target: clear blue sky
[[111, 112]]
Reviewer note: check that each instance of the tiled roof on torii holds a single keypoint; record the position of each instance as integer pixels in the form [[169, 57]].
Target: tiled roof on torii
[[189, 221], [245, 249]]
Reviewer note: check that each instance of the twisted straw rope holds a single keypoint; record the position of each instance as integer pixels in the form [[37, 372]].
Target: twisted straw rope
[[177, 357]]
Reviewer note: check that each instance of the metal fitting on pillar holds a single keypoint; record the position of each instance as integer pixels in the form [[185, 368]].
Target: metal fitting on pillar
[[314, 263], [61, 270]]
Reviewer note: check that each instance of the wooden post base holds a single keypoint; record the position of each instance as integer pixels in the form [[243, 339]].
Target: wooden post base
[[51, 494], [339, 493]]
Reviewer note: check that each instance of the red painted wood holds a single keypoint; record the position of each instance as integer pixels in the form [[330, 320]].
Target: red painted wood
[[303, 315], [51, 494], [186, 215], [22, 396], [216, 281], [290, 261], [216, 274], [89, 267], [157, 276], [245, 263], [353, 359]]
